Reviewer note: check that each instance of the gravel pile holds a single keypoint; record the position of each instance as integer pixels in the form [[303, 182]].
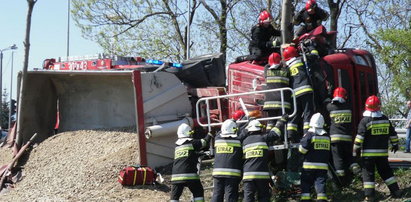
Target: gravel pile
[[82, 166]]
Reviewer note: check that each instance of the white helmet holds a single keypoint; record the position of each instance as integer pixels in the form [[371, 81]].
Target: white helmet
[[229, 128], [317, 121], [184, 131], [254, 125]]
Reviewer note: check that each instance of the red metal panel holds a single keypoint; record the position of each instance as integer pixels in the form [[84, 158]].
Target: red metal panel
[[140, 117], [240, 80]]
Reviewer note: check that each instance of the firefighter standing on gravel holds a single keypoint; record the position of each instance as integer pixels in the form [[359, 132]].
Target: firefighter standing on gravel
[[276, 76], [341, 135], [228, 163], [315, 145], [371, 142], [185, 172], [256, 175]]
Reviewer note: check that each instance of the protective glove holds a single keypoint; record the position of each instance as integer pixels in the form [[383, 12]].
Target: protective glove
[[276, 42], [357, 150], [394, 148], [280, 123]]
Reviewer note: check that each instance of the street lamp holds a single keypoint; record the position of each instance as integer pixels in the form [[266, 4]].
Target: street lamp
[[13, 47], [11, 86]]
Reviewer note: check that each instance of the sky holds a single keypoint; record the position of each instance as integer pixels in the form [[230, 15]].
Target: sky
[[48, 36]]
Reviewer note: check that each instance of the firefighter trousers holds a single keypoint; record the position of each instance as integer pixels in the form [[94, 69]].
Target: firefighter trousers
[[261, 186], [195, 187], [305, 109], [342, 158], [316, 178], [225, 189], [385, 171]]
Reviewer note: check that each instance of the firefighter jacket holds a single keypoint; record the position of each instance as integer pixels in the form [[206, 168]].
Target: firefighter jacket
[[316, 150], [186, 160], [310, 20], [277, 78], [255, 150], [341, 121], [261, 38], [300, 80], [228, 158], [373, 135]]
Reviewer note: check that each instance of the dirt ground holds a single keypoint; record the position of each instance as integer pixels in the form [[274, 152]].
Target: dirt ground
[[84, 166]]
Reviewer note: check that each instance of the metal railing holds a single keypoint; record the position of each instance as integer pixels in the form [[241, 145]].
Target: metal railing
[[281, 90]]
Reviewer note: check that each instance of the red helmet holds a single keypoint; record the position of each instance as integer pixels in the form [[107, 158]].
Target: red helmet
[[265, 17], [290, 52], [340, 92], [311, 4], [274, 59], [373, 103], [237, 115]]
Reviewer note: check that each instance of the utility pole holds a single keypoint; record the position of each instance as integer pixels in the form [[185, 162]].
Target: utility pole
[[68, 28], [11, 88]]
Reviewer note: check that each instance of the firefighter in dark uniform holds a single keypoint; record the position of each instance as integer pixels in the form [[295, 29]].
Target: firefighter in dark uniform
[[315, 145], [299, 124], [311, 16], [341, 135], [185, 172], [371, 142], [300, 83], [265, 39], [276, 76], [228, 163], [256, 176]]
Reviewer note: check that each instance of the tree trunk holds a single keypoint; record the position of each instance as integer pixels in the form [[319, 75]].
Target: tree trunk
[[286, 35], [334, 15], [25, 67], [223, 30]]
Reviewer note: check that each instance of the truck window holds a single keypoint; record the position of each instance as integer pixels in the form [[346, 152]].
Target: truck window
[[371, 84], [363, 87], [346, 83]]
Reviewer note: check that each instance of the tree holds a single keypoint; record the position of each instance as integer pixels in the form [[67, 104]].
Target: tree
[[147, 27], [375, 23], [30, 4]]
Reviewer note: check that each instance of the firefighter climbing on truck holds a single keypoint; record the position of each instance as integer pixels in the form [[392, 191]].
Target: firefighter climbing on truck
[[264, 39]]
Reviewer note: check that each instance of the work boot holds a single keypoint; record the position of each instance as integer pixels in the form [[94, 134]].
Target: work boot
[[355, 169], [396, 194]]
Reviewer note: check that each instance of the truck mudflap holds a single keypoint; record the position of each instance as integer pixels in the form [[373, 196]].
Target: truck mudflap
[[104, 100]]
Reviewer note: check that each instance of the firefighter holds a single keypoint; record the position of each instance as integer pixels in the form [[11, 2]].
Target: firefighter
[[311, 16], [300, 83], [228, 163], [299, 124], [315, 146], [341, 135], [265, 39], [276, 76], [185, 172], [256, 175], [371, 142]]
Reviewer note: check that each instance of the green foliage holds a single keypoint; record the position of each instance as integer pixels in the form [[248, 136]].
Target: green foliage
[[396, 54]]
